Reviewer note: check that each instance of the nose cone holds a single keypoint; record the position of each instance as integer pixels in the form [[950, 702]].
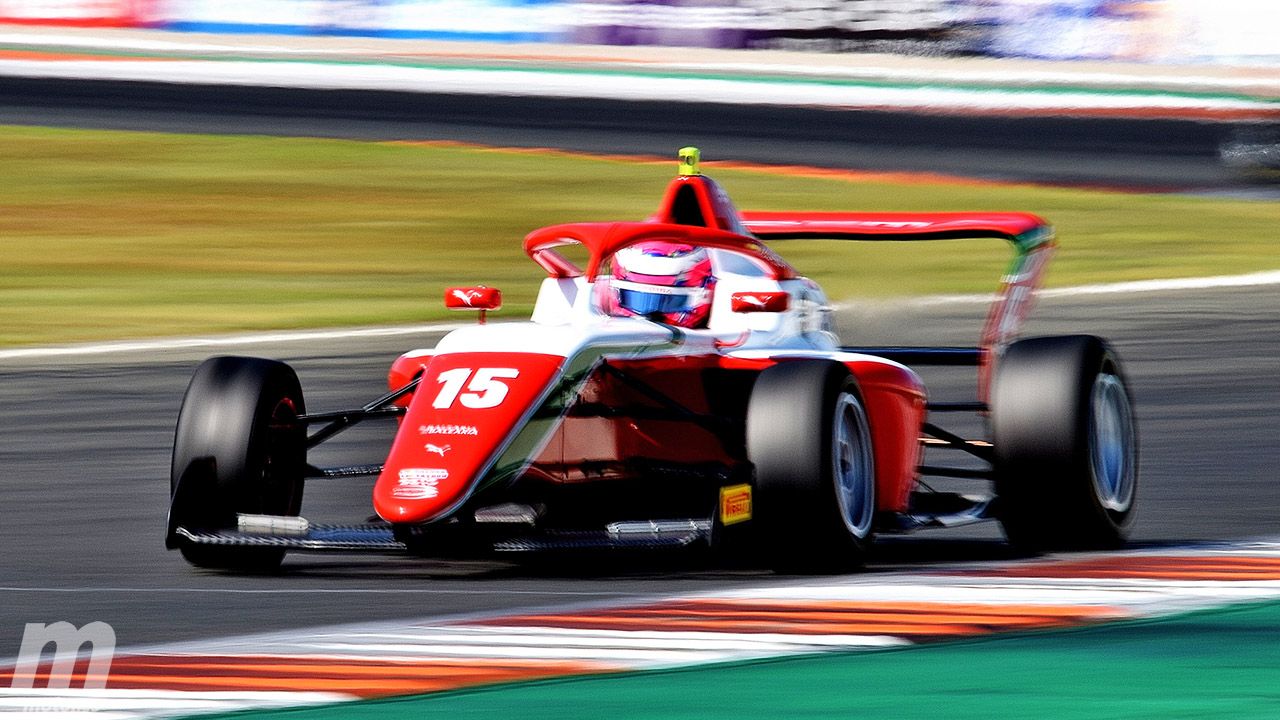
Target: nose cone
[[467, 408]]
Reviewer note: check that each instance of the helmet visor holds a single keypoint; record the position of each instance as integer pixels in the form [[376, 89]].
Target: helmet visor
[[644, 299]]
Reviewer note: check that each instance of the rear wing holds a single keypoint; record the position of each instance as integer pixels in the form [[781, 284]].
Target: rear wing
[[1033, 244], [1022, 229]]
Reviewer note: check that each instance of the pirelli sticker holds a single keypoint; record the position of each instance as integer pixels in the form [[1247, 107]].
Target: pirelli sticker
[[735, 504]]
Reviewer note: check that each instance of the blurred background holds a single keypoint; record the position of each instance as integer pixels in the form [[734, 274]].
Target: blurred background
[[1164, 31], [189, 178], [1025, 97]]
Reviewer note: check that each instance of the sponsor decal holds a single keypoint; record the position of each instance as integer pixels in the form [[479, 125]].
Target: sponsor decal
[[467, 296], [414, 474], [419, 483], [735, 504], [746, 302], [487, 389], [447, 430], [438, 449], [473, 298]]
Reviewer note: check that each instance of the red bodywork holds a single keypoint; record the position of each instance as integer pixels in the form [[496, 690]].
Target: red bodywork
[[889, 226], [466, 407], [751, 302], [597, 448], [473, 298], [454, 432], [895, 400]]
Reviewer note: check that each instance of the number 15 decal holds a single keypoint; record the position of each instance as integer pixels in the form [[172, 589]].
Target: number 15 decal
[[487, 388]]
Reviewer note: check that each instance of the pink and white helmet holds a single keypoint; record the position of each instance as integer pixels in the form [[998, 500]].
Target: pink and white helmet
[[665, 281]]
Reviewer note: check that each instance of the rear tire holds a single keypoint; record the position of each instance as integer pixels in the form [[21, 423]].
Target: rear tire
[[238, 448], [1066, 447], [809, 438]]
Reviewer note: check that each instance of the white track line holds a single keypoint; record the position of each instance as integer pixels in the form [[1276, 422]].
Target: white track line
[[1258, 279], [1130, 596], [46, 703], [144, 346], [1198, 283], [323, 591], [555, 83], [533, 641]]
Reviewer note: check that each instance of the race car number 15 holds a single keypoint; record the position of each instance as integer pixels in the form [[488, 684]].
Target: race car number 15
[[486, 389]]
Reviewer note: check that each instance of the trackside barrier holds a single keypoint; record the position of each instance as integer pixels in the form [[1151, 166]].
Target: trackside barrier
[[1162, 31]]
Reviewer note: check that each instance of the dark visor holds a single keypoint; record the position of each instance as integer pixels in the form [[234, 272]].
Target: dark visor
[[643, 303]]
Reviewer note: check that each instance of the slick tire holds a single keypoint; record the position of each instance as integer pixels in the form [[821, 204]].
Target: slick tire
[[809, 439], [238, 448], [1066, 444]]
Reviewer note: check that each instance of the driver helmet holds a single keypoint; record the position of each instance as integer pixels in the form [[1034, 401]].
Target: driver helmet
[[668, 282]]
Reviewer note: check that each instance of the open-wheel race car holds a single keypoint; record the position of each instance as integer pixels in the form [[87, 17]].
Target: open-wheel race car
[[683, 388]]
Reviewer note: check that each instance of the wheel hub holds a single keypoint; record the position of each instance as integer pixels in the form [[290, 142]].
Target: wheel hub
[[852, 469], [1111, 444]]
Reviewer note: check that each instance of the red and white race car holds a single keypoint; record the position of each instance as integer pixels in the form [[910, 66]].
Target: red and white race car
[[684, 387]]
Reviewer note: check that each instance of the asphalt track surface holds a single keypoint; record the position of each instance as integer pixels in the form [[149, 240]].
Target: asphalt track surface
[[1178, 155], [86, 450]]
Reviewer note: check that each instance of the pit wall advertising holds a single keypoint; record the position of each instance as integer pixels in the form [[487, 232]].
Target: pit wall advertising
[[484, 20], [926, 26], [1159, 31]]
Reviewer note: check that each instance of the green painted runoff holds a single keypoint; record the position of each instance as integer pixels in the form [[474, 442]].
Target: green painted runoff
[[1221, 663]]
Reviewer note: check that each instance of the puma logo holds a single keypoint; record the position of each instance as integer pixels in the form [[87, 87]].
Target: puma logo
[[466, 296]]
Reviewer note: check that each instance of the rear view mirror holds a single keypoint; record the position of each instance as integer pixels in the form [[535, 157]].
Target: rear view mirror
[[479, 298]]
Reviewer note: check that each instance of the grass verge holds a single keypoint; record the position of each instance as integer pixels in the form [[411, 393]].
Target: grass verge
[[122, 234]]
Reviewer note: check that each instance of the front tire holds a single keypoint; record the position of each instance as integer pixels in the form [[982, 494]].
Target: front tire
[[809, 438], [238, 448], [1066, 447]]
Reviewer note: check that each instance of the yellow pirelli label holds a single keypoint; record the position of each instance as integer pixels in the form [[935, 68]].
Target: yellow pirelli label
[[735, 504]]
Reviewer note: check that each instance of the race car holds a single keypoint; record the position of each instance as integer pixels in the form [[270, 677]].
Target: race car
[[684, 388]]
